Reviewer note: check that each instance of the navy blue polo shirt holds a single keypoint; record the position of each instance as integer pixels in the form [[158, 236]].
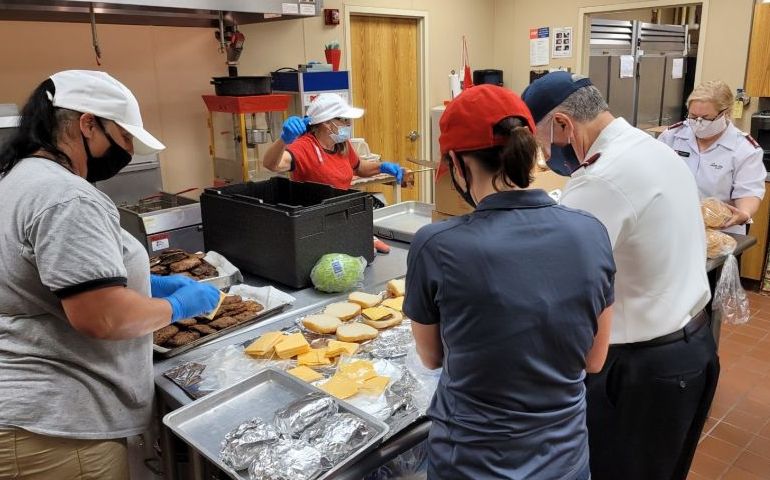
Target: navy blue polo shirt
[[516, 288]]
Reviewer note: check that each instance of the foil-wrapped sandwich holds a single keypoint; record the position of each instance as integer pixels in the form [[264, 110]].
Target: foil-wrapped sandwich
[[245, 442]]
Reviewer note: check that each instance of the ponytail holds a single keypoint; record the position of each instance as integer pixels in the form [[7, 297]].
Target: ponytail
[[39, 129], [518, 156], [512, 163]]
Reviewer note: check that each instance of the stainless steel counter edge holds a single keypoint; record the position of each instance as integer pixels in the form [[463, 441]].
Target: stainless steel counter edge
[[382, 269], [744, 243]]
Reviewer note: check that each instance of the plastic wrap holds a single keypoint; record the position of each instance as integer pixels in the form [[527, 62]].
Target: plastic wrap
[[228, 366], [426, 379], [338, 272], [719, 244], [246, 442], [729, 297], [715, 212], [295, 418], [337, 436], [408, 465], [288, 459]]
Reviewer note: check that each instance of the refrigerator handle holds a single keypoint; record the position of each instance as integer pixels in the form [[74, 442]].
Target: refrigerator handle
[[686, 40]]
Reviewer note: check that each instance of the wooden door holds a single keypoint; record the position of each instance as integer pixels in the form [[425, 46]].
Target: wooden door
[[758, 69], [384, 73]]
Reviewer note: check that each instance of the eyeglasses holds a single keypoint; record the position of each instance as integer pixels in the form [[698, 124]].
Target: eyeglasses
[[692, 117]]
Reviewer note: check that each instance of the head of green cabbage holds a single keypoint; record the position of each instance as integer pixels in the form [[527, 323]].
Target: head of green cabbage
[[337, 272]]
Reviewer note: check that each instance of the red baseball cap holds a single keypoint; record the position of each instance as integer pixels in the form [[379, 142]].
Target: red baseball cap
[[468, 120]]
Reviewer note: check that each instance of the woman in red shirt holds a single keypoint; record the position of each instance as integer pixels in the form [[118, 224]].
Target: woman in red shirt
[[317, 148]]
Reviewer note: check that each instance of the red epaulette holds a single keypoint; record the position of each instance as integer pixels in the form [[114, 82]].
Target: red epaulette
[[676, 125], [751, 140]]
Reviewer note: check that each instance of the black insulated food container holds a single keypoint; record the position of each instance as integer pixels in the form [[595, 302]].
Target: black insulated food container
[[278, 229]]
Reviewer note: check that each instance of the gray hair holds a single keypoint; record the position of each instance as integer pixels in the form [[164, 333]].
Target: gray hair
[[583, 105]]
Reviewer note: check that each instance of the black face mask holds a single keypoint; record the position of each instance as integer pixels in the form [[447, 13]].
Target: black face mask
[[466, 194], [110, 163], [563, 160]]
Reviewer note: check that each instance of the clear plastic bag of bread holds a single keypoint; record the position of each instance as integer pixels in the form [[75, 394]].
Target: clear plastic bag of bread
[[715, 212], [719, 244], [730, 299]]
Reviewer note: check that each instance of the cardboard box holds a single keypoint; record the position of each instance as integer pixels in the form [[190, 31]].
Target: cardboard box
[[449, 202], [549, 181], [438, 216]]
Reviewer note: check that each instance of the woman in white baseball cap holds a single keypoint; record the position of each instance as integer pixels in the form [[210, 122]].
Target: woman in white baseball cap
[[317, 148], [76, 296]]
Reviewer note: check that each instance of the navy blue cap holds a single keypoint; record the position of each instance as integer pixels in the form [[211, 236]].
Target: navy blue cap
[[550, 90]]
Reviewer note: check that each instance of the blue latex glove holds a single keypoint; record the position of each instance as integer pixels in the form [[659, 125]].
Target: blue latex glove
[[161, 286], [192, 300], [392, 169], [293, 127]]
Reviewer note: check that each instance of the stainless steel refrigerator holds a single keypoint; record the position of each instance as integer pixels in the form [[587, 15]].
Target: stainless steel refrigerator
[[652, 90]]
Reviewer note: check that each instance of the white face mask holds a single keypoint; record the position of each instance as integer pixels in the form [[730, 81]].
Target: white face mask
[[707, 128]]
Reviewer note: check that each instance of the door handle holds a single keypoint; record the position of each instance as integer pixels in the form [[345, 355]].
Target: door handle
[[413, 136]]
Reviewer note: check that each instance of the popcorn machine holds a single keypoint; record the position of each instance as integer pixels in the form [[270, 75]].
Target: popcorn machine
[[238, 128]]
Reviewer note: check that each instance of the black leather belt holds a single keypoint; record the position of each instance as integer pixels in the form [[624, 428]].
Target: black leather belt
[[695, 324]]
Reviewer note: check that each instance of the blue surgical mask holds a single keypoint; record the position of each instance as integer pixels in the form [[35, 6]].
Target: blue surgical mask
[[342, 135], [563, 160]]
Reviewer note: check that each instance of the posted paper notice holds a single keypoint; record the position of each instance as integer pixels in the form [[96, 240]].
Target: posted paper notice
[[626, 66], [538, 46], [561, 47]]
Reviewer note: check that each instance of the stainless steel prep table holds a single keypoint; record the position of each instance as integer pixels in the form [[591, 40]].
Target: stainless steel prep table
[[384, 268], [170, 396]]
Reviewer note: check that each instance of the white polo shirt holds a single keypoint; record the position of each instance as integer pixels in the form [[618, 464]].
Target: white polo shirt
[[649, 204], [731, 168]]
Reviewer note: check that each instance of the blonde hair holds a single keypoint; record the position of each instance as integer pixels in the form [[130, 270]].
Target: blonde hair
[[716, 92]]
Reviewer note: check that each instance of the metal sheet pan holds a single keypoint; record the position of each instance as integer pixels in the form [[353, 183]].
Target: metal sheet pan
[[228, 273], [172, 352], [204, 423], [275, 302], [402, 220]]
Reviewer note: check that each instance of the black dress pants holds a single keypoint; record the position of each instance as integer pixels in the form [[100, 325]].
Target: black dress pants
[[647, 408]]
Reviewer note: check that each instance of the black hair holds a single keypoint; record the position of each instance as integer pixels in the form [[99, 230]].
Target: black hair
[[39, 129], [512, 163]]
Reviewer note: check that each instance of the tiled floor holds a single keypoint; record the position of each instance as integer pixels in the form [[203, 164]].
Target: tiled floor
[[736, 440]]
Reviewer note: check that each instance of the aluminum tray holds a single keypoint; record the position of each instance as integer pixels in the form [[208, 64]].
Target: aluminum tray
[[228, 273], [172, 352], [402, 220], [275, 302], [204, 423]]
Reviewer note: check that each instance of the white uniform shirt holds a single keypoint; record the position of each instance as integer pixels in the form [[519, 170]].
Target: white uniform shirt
[[731, 168], [649, 204]]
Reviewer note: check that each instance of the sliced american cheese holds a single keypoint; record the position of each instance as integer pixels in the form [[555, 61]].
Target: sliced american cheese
[[305, 373], [314, 358], [377, 313], [264, 345], [213, 313], [291, 345], [375, 385], [335, 348], [394, 303], [340, 387], [358, 370]]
